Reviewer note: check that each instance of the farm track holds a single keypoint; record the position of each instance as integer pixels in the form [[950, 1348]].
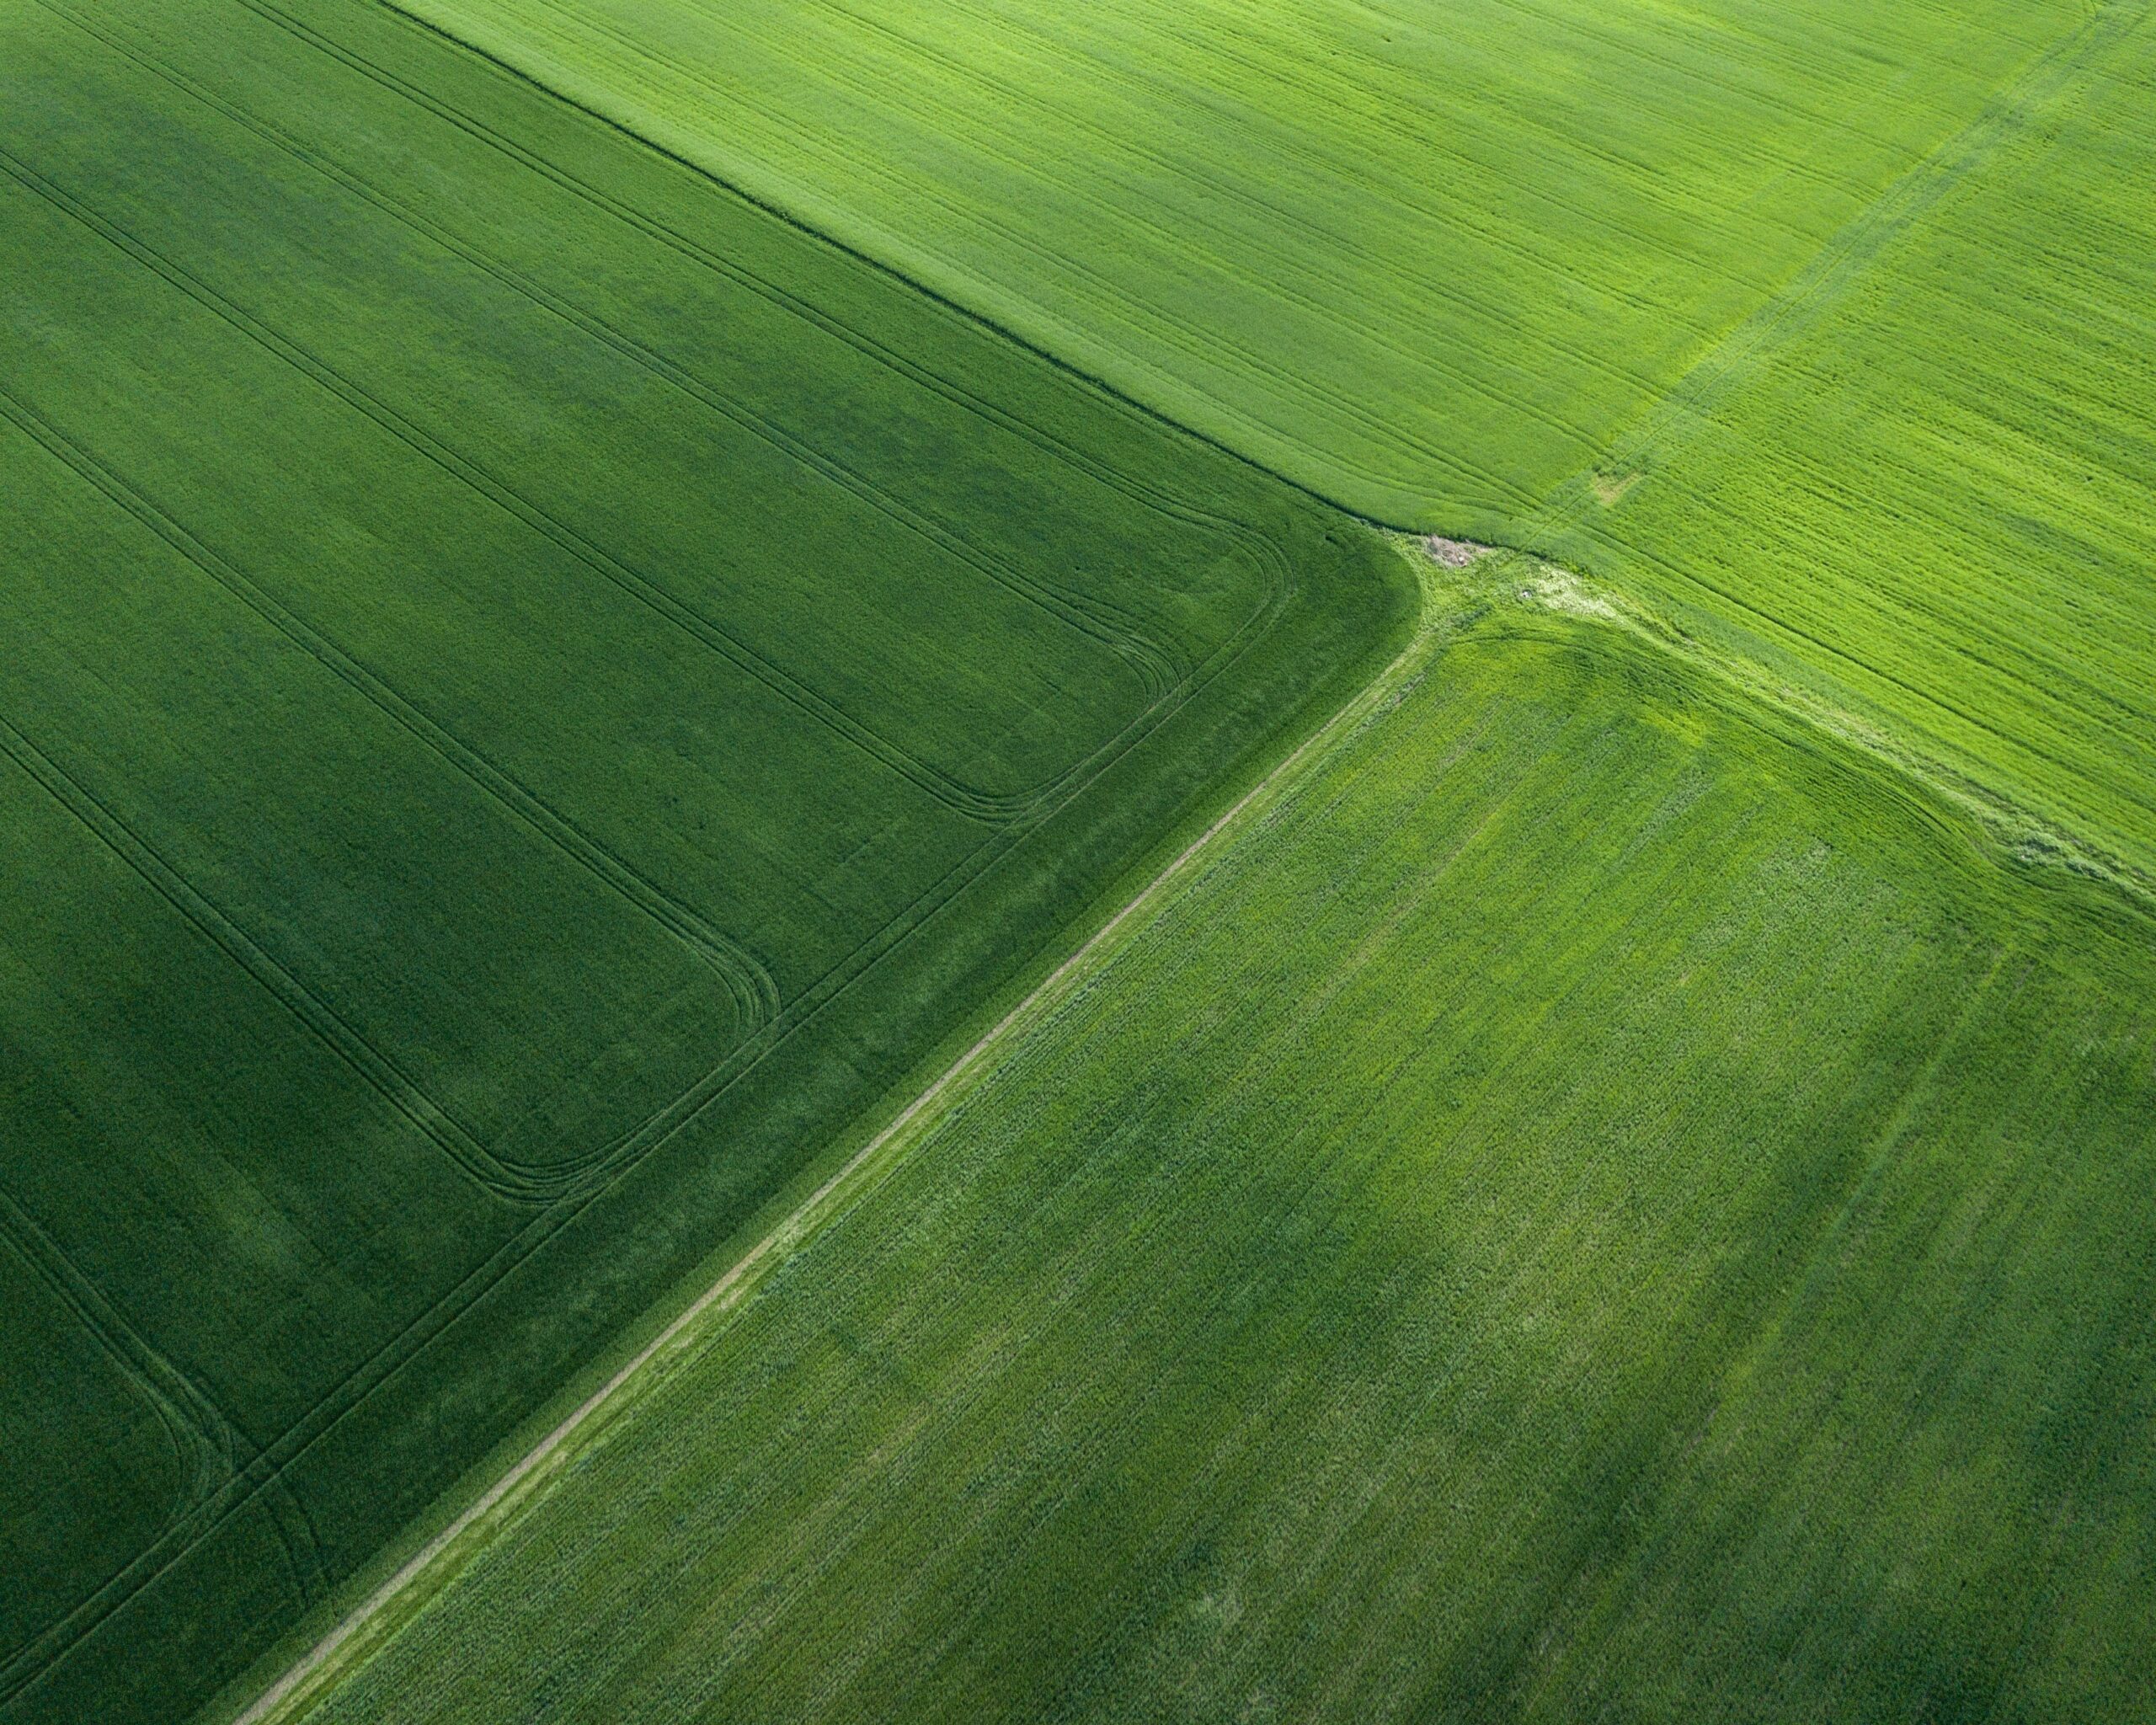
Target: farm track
[[574, 1181], [1153, 664], [571, 1186], [562, 1190], [1363, 1440], [865, 1166], [952, 792], [567, 1186], [443, 1555], [554, 1195]]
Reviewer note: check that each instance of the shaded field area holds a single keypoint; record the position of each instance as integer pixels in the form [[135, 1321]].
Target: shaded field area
[[535, 691], [1464, 1257], [1824, 328]]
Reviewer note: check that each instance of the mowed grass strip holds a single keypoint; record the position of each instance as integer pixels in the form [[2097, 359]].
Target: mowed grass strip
[[535, 691], [1601, 1203]]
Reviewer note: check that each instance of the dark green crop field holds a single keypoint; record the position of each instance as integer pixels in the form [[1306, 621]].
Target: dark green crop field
[[1597, 1204], [534, 690]]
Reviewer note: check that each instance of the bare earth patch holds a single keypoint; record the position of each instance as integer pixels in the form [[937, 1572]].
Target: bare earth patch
[[1452, 554]]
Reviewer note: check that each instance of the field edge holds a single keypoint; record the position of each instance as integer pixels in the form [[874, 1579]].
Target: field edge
[[1976, 841], [1347, 688]]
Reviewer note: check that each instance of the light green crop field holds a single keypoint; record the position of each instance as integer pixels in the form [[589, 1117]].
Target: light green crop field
[[1925, 485], [1823, 325], [1420, 257], [534, 691], [1598, 1204]]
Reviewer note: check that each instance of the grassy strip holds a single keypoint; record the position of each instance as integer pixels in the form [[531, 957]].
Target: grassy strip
[[1457, 1257], [516, 1484]]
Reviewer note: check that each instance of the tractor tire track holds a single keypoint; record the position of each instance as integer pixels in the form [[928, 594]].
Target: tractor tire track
[[868, 1164], [1154, 666], [211, 1449], [1157, 667], [755, 994], [265, 1472], [406, 1098], [951, 791]]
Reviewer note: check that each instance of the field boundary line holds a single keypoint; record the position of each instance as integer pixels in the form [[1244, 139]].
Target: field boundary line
[[1088, 615], [1444, 610], [281, 1454], [2033, 841], [1189, 335], [1092, 380], [1539, 534], [301, 1682], [988, 807]]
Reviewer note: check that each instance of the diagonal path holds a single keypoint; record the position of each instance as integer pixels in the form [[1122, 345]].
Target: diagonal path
[[1681, 411], [435, 1562]]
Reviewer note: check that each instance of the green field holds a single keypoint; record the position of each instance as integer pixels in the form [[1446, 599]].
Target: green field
[[600, 588], [1825, 326], [1924, 486], [1464, 1258], [535, 691], [1427, 259]]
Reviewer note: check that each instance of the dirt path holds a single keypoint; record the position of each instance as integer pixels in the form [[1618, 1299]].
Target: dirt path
[[301, 1684]]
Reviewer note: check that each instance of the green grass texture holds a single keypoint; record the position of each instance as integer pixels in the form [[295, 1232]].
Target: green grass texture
[[534, 691], [1824, 326], [1597, 1203], [1923, 485]]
